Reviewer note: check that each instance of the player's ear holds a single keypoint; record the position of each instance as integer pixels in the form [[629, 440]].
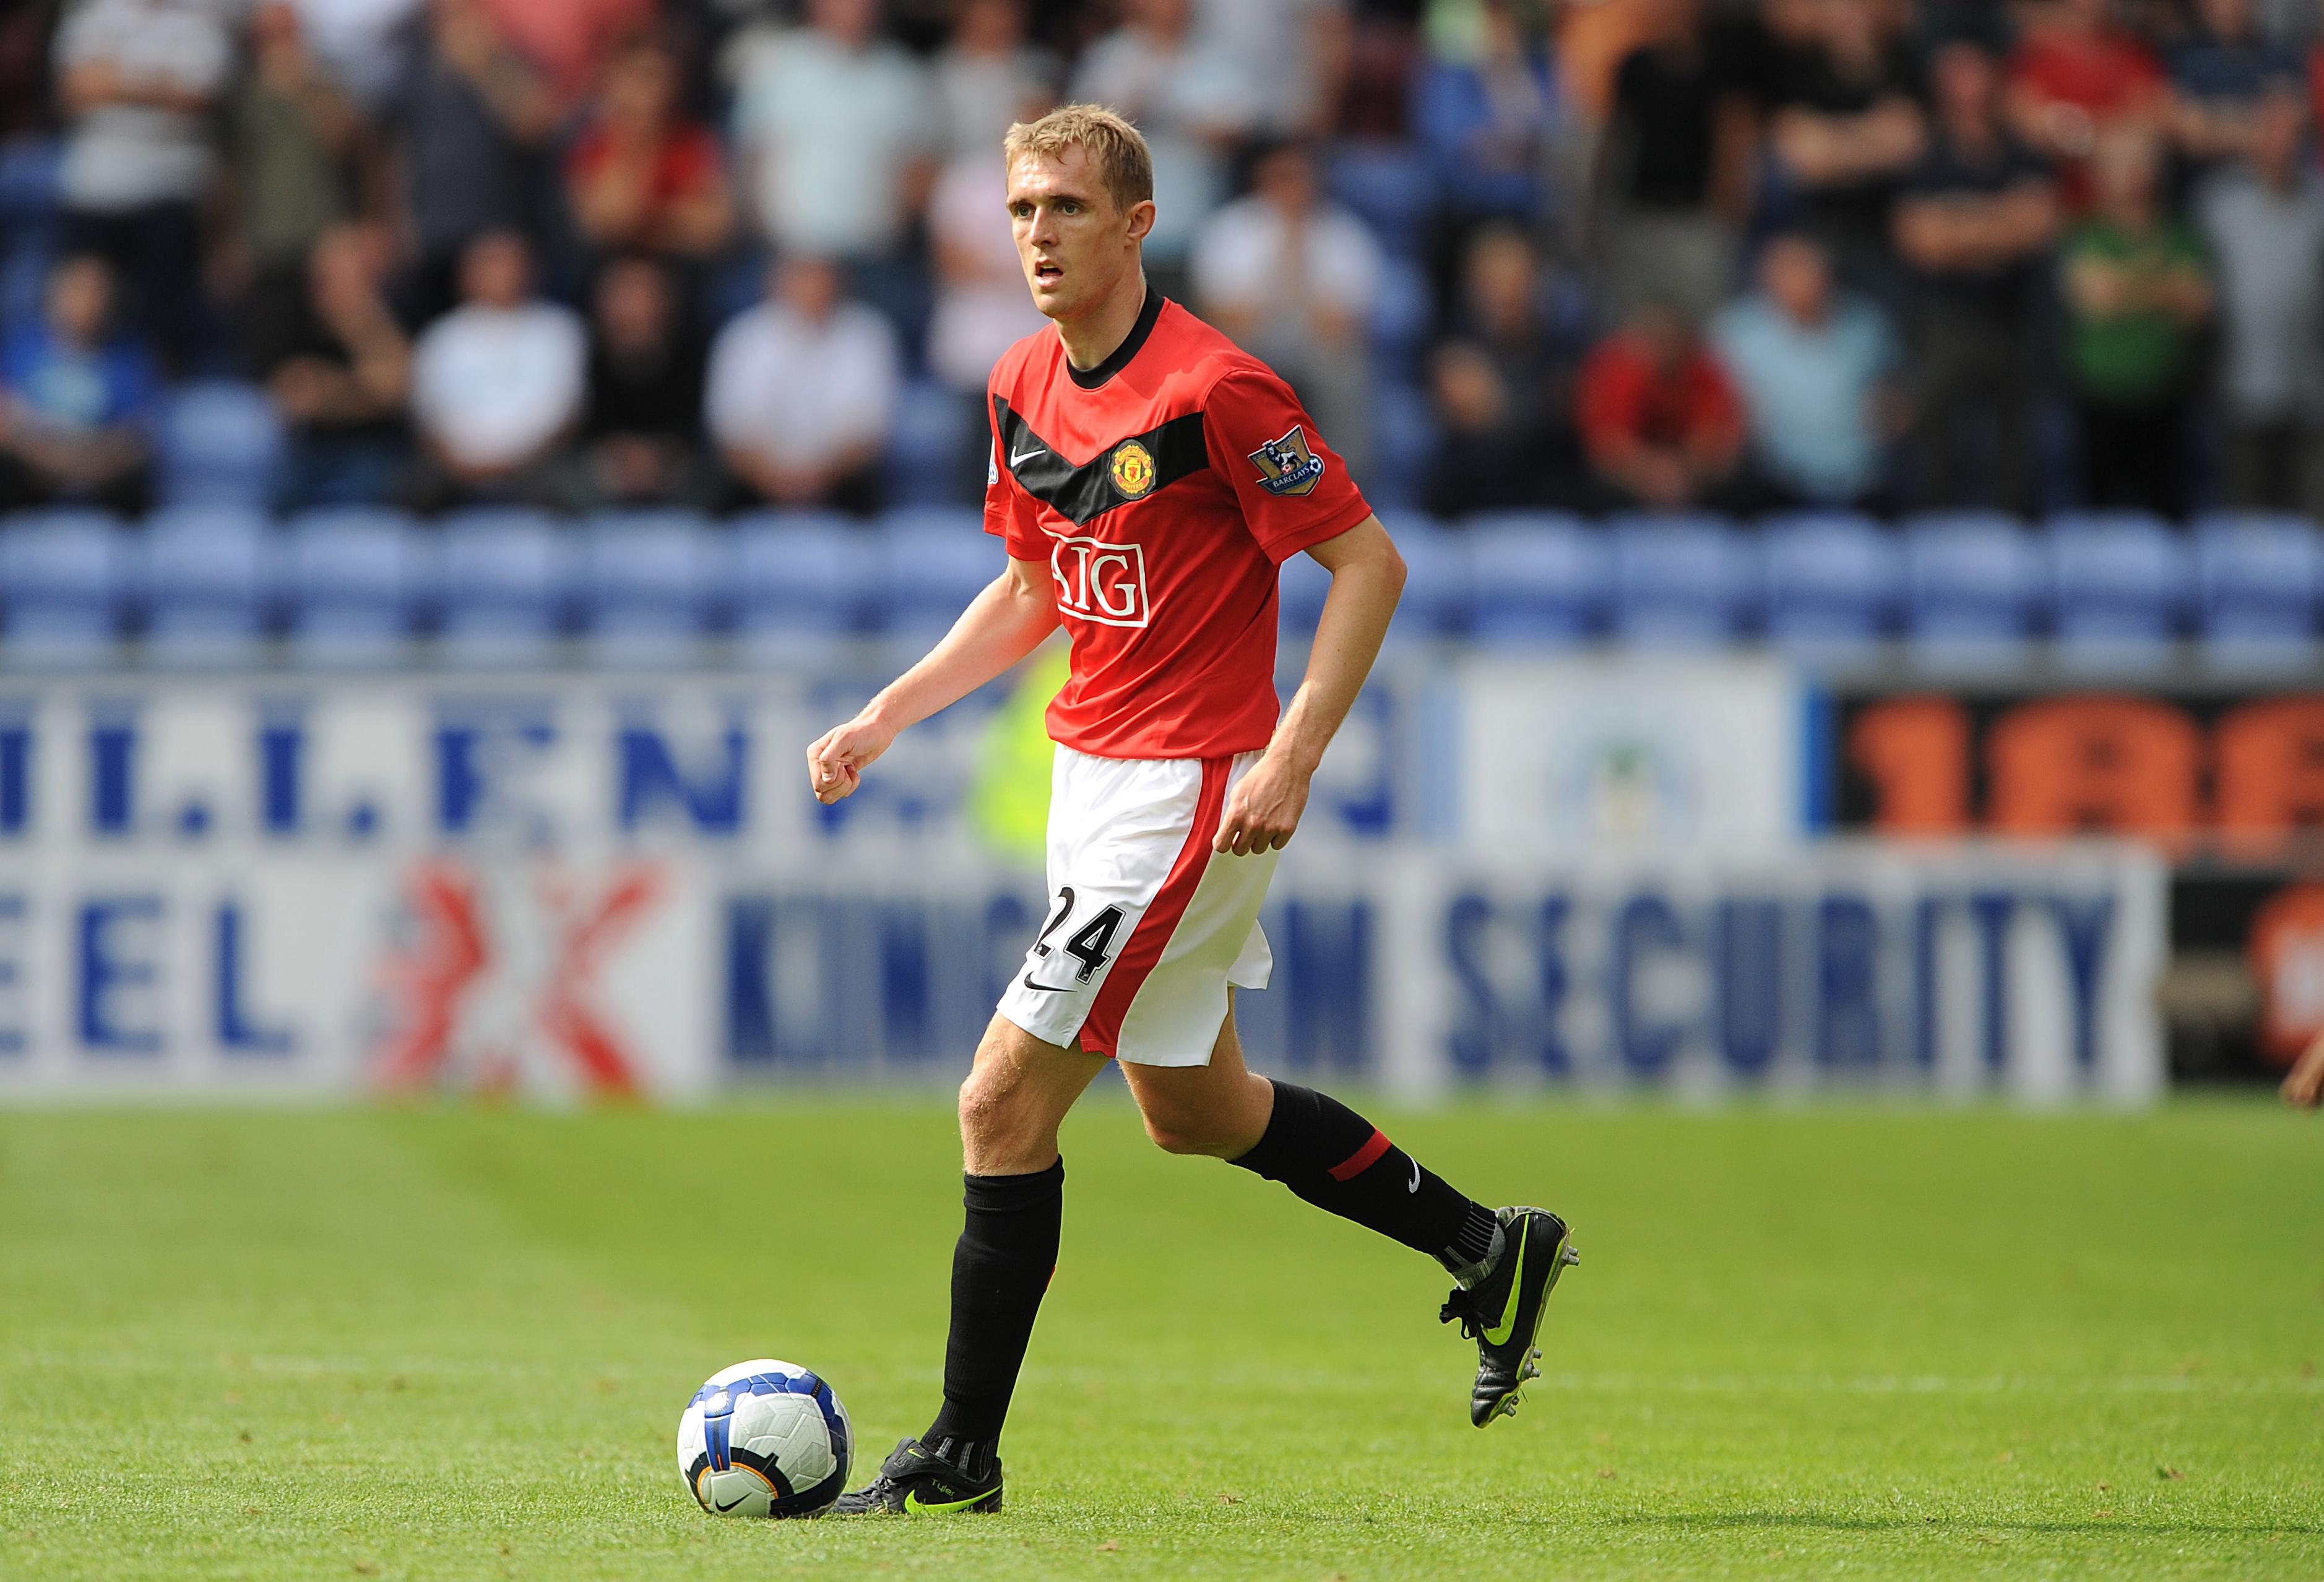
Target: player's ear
[[1141, 219]]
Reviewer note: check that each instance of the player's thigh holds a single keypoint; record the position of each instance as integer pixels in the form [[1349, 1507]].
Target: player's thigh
[[1220, 1108], [1016, 1095]]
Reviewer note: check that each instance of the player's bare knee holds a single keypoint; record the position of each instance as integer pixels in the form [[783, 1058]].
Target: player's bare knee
[[1183, 1134]]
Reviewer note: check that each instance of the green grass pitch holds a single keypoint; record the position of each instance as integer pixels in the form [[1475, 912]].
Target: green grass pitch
[[453, 1343]]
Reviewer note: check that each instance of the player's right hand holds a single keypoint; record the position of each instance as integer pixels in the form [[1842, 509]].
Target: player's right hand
[[836, 761], [2303, 1089]]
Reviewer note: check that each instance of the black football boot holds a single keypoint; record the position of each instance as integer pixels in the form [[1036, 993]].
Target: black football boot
[[917, 1481], [1502, 1312]]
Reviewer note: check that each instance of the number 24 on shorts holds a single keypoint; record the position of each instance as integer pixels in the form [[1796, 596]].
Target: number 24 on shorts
[[1091, 944]]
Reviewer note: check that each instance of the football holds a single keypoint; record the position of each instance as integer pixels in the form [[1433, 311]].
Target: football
[[764, 1439]]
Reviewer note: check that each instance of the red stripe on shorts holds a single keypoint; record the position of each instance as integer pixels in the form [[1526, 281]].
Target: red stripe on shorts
[[1363, 1158], [1103, 1028]]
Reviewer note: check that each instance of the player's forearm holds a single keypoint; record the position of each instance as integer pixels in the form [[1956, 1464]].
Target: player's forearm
[[1347, 638], [1001, 625]]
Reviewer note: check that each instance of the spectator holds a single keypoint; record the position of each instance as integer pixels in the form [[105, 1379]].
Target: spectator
[[834, 126], [985, 76], [2264, 221], [76, 400], [339, 370], [802, 392], [1813, 367], [640, 176], [569, 41], [2074, 78], [1659, 419], [364, 45], [1492, 122], [139, 79], [1847, 123], [1675, 167], [1504, 387], [299, 150], [1975, 225], [474, 116], [637, 445], [2218, 78], [1194, 102], [497, 384], [1307, 48], [2137, 294], [1293, 279]]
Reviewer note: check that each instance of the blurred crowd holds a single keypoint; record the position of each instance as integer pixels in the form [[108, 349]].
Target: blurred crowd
[[1878, 255]]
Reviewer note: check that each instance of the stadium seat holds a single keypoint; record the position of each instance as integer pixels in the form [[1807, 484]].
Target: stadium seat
[[209, 582], [2119, 583], [66, 578], [926, 461], [1536, 578], [1681, 581], [220, 443], [356, 584], [1974, 583], [1404, 443], [934, 561], [650, 586], [1390, 187], [1439, 587], [506, 576], [1833, 580], [802, 582], [1403, 316], [2256, 580]]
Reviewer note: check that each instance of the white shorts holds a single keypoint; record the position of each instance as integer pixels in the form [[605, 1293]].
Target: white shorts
[[1146, 925]]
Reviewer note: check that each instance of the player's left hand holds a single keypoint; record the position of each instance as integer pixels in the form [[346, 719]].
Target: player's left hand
[[1263, 809]]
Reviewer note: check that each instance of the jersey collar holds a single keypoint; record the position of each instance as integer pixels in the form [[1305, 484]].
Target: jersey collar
[[1118, 359]]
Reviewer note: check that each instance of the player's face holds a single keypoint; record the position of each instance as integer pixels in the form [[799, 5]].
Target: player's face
[[1075, 244]]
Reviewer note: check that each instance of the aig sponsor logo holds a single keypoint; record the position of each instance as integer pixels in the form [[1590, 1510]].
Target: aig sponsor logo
[[1101, 581]]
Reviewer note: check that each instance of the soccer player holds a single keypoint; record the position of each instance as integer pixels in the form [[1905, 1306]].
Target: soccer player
[[1147, 477]]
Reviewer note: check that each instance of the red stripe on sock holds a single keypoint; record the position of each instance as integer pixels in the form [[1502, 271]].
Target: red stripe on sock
[[1102, 1029], [1363, 1158]]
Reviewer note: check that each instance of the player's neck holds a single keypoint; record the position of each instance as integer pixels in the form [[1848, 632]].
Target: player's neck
[[1098, 334]]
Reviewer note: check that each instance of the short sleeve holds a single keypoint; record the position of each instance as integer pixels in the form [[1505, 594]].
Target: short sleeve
[[1008, 511], [1294, 489]]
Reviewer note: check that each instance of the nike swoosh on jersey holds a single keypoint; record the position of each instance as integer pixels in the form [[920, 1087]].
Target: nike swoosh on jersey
[[1078, 494], [1050, 988]]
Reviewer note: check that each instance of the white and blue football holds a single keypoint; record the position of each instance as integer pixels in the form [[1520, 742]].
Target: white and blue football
[[764, 1439]]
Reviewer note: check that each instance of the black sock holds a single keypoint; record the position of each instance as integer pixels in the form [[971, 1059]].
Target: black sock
[[1339, 1162], [1001, 1269]]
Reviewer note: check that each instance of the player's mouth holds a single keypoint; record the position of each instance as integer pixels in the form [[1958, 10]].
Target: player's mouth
[[1047, 272]]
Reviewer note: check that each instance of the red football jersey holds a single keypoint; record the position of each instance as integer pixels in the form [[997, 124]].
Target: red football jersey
[[1163, 486]]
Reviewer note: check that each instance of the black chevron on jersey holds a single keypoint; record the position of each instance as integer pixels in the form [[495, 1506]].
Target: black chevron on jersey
[[1178, 450]]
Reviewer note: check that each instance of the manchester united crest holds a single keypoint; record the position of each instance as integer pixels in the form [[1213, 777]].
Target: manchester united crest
[[1133, 469]]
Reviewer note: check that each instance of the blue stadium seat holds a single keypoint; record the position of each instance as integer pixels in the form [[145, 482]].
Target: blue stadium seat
[[650, 586], [1440, 588], [506, 576], [935, 559], [1682, 581], [2256, 580], [1974, 584], [1403, 316], [356, 584], [802, 582], [1833, 581], [1536, 578], [66, 579], [220, 443], [209, 578], [927, 462], [1390, 187], [2120, 584]]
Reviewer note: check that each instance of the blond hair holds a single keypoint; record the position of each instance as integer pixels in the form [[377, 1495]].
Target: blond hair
[[1111, 142]]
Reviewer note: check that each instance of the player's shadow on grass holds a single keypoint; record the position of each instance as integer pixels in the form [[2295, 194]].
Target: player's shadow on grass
[[1734, 1519]]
